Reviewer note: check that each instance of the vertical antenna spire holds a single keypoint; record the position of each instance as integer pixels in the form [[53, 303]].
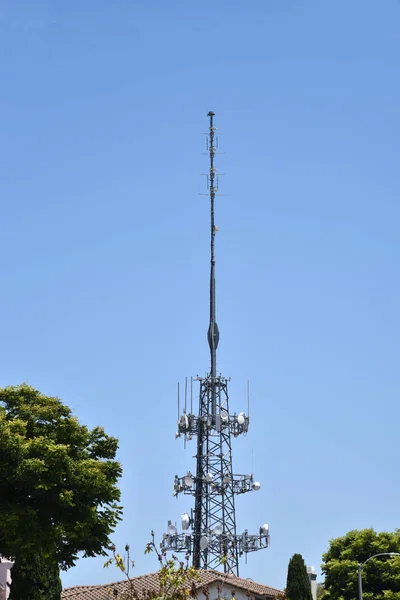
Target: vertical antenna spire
[[213, 332]]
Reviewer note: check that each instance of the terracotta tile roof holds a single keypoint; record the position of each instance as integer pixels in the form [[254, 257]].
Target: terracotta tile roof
[[245, 584], [149, 583]]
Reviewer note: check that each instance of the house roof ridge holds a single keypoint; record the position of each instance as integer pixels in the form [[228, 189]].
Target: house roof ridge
[[100, 585], [248, 582], [148, 581]]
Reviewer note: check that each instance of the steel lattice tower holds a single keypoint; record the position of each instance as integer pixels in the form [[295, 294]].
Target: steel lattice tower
[[213, 540]]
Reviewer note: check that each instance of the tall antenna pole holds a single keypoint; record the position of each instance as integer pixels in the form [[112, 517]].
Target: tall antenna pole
[[213, 333], [213, 540], [207, 408]]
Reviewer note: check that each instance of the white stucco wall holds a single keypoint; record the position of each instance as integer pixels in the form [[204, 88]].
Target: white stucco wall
[[226, 592], [5, 578]]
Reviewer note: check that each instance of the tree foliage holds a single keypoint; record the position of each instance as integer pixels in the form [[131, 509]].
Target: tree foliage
[[36, 577], [58, 482], [298, 585], [380, 576]]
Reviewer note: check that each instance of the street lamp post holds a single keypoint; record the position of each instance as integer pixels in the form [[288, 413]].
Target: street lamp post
[[360, 566]]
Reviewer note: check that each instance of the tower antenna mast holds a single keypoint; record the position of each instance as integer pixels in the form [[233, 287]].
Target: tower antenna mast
[[213, 333], [209, 532]]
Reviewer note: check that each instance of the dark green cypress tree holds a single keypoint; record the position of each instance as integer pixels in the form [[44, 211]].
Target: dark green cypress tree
[[35, 578], [298, 585]]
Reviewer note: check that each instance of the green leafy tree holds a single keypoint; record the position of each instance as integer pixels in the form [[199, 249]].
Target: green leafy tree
[[321, 592], [298, 585], [37, 578], [380, 576], [58, 488]]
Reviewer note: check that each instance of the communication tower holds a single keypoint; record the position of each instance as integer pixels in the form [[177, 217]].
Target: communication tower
[[209, 531]]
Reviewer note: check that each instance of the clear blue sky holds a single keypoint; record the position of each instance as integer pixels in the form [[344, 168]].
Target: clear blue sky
[[104, 246]]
